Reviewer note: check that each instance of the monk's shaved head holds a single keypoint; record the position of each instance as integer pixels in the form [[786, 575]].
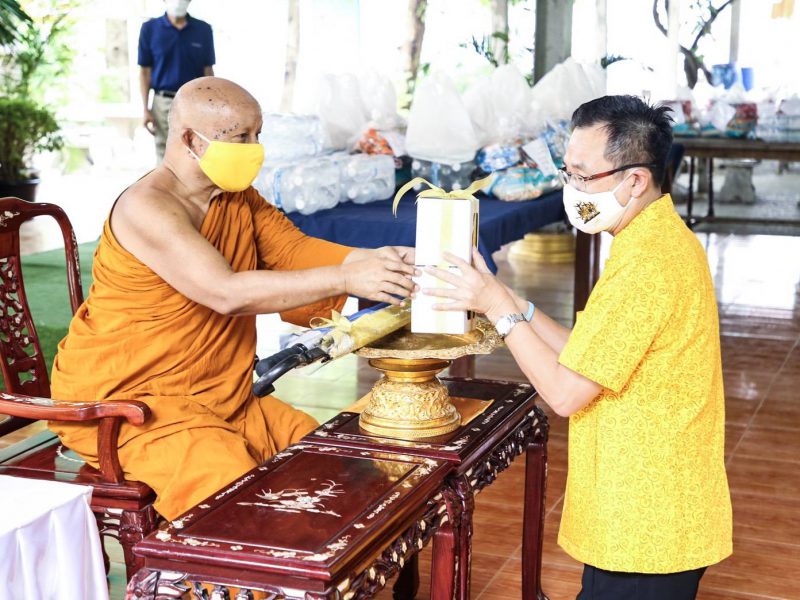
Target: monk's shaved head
[[216, 107]]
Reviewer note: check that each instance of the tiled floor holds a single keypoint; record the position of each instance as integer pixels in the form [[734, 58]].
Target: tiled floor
[[758, 287]]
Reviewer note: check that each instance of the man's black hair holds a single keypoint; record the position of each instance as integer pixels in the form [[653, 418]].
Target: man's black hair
[[637, 132]]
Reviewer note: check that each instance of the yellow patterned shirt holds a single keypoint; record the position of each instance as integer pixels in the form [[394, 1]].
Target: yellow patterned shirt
[[646, 489]]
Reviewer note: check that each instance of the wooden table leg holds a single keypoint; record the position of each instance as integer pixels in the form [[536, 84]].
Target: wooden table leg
[[452, 544], [407, 584], [463, 367], [710, 214], [533, 521], [465, 498], [443, 563], [690, 193]]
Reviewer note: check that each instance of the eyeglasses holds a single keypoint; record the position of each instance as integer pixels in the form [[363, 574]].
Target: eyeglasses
[[579, 181]]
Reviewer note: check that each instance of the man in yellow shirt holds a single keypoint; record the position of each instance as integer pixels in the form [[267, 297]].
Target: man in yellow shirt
[[647, 506]]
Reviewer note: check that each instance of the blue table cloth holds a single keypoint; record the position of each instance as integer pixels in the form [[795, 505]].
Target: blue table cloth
[[372, 225]]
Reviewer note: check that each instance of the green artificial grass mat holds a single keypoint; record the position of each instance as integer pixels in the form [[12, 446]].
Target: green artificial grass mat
[[45, 277]]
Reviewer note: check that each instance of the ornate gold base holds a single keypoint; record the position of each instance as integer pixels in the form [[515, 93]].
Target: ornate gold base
[[544, 247], [409, 402]]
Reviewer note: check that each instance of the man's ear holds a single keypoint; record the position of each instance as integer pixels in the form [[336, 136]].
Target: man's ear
[[641, 179]]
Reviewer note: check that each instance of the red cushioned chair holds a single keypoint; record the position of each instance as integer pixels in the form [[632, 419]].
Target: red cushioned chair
[[124, 509]]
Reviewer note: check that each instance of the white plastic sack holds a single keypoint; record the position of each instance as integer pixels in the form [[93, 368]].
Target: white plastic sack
[[341, 109], [478, 102], [721, 114], [676, 111], [380, 101], [510, 96], [703, 93], [568, 85], [439, 127], [791, 106]]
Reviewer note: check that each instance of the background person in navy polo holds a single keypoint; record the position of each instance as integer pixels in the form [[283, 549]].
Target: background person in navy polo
[[173, 49]]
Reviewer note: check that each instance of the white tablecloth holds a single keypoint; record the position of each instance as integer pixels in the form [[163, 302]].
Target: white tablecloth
[[49, 545]]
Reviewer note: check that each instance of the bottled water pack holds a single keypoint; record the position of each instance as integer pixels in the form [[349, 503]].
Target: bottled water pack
[[365, 177], [288, 138], [304, 187], [318, 183], [446, 176], [297, 175]]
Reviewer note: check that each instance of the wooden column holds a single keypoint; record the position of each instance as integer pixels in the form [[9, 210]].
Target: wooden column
[[553, 43]]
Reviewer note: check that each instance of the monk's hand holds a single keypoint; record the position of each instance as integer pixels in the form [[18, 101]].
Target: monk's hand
[[475, 289], [379, 275], [404, 254]]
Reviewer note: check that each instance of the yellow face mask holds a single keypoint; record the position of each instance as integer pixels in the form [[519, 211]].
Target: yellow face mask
[[231, 167]]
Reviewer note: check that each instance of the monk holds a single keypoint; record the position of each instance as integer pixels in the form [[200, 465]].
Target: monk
[[188, 257]]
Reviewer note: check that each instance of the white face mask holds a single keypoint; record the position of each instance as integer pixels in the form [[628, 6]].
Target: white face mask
[[593, 213], [177, 8]]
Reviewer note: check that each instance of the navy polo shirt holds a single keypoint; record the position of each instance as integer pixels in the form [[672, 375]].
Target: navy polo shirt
[[175, 55]]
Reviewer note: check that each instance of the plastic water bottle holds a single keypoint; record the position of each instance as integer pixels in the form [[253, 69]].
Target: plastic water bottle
[[365, 177], [449, 177], [496, 157], [288, 138], [304, 187]]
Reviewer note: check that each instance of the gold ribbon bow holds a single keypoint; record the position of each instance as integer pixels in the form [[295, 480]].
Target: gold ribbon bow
[[339, 324], [437, 192]]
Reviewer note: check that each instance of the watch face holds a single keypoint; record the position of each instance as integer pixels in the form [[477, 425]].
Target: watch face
[[506, 323], [503, 326]]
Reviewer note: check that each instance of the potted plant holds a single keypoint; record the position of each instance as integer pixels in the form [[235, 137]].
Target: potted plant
[[33, 57], [25, 128]]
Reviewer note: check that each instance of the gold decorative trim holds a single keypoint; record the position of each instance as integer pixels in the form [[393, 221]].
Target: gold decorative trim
[[403, 344]]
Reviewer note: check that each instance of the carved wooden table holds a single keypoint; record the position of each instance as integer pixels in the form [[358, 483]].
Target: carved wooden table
[[313, 523], [510, 425]]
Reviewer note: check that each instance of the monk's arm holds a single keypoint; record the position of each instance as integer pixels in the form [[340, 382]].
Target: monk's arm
[[282, 246], [164, 238]]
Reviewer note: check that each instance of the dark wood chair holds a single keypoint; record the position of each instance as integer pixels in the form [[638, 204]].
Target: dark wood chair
[[124, 509]]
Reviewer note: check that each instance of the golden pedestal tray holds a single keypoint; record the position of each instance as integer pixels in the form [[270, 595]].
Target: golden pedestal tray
[[544, 247], [409, 402]]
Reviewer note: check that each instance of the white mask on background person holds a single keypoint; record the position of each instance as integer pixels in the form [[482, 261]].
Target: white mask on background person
[[177, 8], [593, 213]]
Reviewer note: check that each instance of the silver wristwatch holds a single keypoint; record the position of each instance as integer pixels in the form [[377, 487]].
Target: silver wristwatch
[[506, 323]]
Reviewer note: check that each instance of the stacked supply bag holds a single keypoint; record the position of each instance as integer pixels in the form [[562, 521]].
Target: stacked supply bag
[[360, 114], [301, 173], [520, 144], [440, 139], [526, 168], [500, 125]]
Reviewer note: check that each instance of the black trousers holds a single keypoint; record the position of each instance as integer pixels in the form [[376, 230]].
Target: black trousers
[[598, 584]]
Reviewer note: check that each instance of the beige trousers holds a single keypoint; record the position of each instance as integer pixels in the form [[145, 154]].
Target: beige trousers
[[160, 112]]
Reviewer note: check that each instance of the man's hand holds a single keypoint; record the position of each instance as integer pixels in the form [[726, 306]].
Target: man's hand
[[149, 121], [476, 289], [380, 275]]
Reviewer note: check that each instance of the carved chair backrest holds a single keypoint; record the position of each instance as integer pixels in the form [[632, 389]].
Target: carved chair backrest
[[23, 364]]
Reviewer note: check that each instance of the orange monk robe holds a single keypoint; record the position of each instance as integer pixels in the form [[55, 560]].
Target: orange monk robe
[[137, 338]]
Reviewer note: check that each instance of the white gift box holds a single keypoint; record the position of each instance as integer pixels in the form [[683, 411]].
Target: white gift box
[[443, 225]]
